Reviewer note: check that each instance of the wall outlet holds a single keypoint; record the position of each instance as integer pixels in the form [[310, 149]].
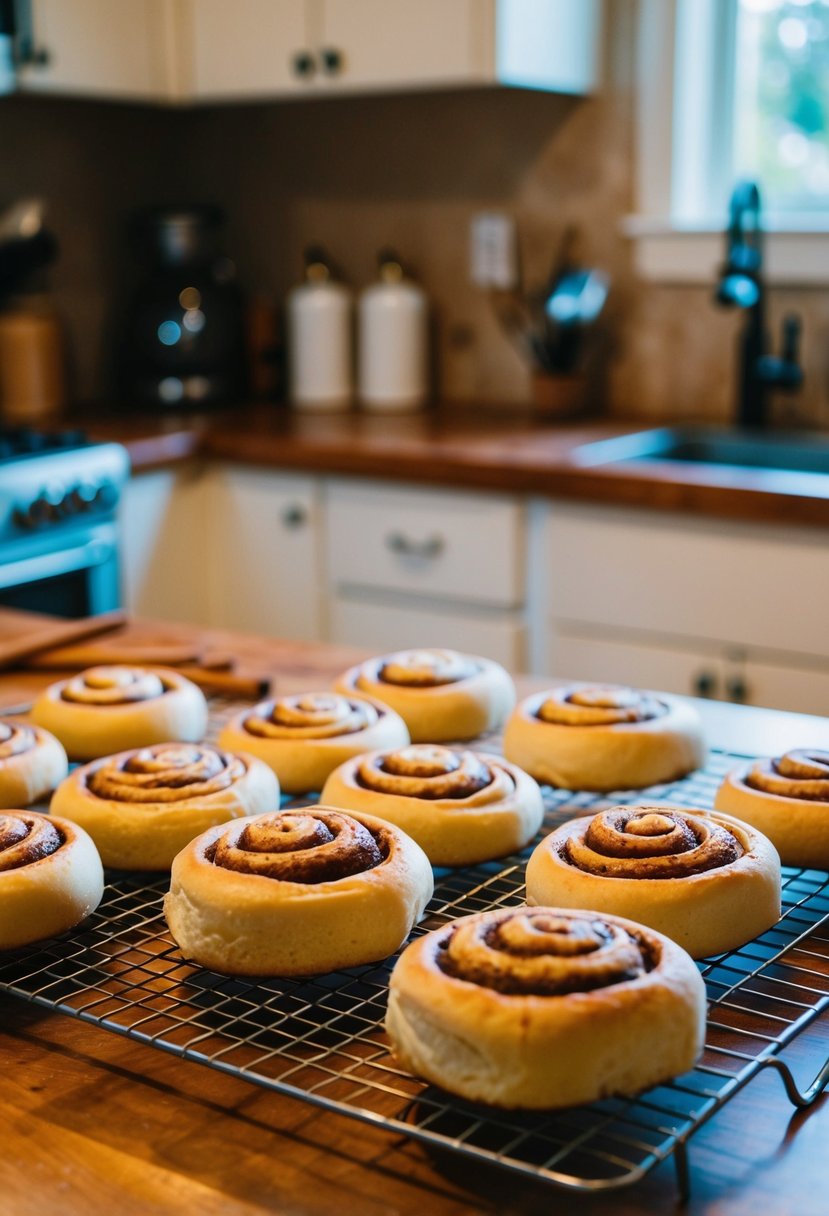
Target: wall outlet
[[493, 260]]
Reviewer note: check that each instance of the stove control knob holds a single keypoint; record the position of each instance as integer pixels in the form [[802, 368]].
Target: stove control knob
[[81, 497], [106, 495]]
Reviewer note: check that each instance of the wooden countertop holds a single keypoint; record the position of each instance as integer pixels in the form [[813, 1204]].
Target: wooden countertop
[[458, 449], [92, 1123]]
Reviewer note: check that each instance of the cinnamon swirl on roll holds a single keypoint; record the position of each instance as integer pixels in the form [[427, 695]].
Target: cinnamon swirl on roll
[[786, 798], [50, 877], [296, 893], [460, 807], [109, 709], [545, 1007], [440, 694], [305, 736], [708, 881], [604, 738], [32, 762], [141, 807]]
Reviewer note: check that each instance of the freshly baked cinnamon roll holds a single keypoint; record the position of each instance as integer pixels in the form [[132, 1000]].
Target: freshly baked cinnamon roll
[[460, 807], [141, 807], [708, 881], [440, 694], [304, 736], [32, 762], [787, 799], [108, 709], [50, 877], [545, 1007], [296, 893], [604, 738]]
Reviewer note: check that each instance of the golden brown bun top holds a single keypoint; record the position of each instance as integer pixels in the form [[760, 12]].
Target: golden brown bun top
[[104, 686], [314, 845], [598, 706], [418, 669], [15, 739], [312, 715], [424, 770], [544, 951], [651, 842], [163, 772], [797, 774], [26, 838]]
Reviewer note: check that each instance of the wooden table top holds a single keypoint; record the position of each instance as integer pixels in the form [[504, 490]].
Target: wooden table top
[[91, 1122]]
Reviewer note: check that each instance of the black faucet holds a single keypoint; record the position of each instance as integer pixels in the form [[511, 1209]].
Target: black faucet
[[741, 286]]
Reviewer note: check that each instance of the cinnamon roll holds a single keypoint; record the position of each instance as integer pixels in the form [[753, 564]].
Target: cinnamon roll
[[50, 877], [604, 738], [32, 762], [460, 807], [141, 807], [305, 736], [108, 709], [545, 1007], [787, 799], [708, 881], [296, 893], [440, 694]]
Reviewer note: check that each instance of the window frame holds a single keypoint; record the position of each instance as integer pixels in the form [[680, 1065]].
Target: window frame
[[676, 150]]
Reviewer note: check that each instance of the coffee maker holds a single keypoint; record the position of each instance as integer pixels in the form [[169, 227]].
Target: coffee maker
[[183, 338]]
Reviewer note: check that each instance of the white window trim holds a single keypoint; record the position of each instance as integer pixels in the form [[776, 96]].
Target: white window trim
[[679, 250]]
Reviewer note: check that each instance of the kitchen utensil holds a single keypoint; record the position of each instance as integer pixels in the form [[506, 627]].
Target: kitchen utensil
[[49, 636]]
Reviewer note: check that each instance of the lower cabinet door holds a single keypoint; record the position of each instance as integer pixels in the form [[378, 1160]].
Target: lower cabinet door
[[382, 626], [264, 574], [749, 677], [575, 655]]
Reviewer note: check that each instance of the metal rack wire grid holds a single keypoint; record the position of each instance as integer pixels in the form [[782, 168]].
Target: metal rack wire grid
[[321, 1039]]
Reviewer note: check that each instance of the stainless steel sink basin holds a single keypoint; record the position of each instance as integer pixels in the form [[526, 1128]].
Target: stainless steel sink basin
[[702, 445]]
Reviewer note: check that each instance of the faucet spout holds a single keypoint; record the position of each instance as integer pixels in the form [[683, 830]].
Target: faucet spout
[[741, 285]]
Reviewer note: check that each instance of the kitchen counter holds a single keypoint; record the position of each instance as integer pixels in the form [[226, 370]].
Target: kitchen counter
[[95, 1123], [459, 449]]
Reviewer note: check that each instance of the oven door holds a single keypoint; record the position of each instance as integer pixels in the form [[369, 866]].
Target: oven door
[[80, 578]]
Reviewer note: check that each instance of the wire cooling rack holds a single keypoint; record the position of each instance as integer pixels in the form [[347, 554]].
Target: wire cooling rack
[[322, 1040]]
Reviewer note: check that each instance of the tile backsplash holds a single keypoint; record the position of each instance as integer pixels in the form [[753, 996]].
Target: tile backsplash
[[409, 171]]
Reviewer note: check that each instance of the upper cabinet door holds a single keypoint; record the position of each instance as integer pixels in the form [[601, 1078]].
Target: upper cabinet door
[[248, 48], [391, 44], [100, 48]]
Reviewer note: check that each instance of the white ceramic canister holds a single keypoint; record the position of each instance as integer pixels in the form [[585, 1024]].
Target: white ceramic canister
[[319, 332], [392, 342]]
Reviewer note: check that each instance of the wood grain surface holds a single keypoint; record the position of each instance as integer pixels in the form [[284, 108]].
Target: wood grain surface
[[92, 1123], [514, 454]]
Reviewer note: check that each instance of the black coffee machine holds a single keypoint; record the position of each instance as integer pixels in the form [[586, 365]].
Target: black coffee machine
[[183, 335]]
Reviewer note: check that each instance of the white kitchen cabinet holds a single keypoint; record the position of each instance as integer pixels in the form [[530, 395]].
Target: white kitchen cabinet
[[383, 625], [734, 611], [274, 48], [166, 545], [99, 48], [426, 567], [265, 574]]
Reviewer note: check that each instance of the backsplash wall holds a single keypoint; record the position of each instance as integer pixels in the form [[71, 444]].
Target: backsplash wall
[[410, 171]]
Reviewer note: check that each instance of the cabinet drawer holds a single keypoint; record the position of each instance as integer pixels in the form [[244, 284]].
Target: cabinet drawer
[[748, 585], [381, 626], [465, 547]]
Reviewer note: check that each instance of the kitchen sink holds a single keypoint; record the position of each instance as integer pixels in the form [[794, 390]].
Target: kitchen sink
[[704, 445]]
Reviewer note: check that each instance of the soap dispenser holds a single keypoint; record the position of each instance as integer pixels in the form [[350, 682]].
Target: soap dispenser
[[393, 343], [319, 332]]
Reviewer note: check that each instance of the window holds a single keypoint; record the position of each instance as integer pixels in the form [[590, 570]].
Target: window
[[730, 89]]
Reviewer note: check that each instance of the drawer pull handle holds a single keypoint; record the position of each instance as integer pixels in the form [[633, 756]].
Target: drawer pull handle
[[431, 547], [294, 516], [705, 684]]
